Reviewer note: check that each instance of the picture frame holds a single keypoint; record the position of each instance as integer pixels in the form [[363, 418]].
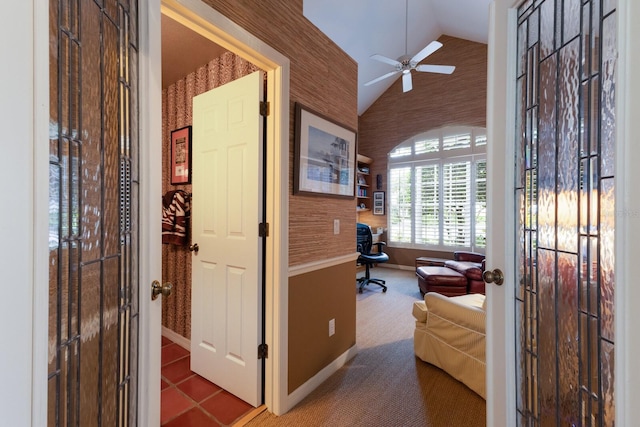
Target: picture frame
[[324, 156], [378, 202], [181, 156]]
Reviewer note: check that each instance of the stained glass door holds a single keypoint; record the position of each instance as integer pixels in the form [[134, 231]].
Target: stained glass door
[[564, 191], [93, 213]]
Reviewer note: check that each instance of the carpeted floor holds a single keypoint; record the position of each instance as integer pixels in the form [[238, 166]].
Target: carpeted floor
[[385, 384]]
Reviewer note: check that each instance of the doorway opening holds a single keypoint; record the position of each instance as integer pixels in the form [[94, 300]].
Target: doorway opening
[[210, 24]]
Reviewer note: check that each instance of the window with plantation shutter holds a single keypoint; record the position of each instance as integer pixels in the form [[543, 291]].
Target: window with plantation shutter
[[437, 190], [427, 205], [456, 203], [400, 226]]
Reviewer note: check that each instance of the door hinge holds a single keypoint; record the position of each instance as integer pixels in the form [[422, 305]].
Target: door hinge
[[263, 351], [263, 229], [264, 108]]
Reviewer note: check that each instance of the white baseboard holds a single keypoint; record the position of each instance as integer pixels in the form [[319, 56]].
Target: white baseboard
[[313, 383], [176, 338]]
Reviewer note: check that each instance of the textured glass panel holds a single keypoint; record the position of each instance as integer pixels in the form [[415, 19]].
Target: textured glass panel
[[133, 24], [111, 143], [73, 291], [571, 19], [522, 51], [533, 28], [547, 155], [607, 257], [583, 321], [595, 36], [52, 387], [90, 344], [521, 252], [73, 398], [547, 336], [91, 205], [521, 372], [608, 376], [111, 8], [608, 104], [547, 25], [533, 80], [584, 119], [110, 342], [134, 117], [53, 81], [593, 276], [521, 134], [594, 115], [609, 6], [133, 375], [64, 72], [74, 90], [567, 309], [567, 168], [134, 252]]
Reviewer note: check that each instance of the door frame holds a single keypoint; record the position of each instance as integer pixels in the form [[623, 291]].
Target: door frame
[[500, 247], [208, 22]]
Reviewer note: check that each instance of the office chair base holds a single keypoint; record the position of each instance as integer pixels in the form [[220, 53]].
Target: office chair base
[[364, 281]]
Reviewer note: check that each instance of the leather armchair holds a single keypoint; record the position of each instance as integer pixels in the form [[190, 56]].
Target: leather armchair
[[471, 265]]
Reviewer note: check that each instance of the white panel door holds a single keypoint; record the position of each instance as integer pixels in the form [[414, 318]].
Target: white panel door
[[227, 209]]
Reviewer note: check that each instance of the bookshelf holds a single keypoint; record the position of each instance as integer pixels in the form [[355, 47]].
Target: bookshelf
[[364, 189]]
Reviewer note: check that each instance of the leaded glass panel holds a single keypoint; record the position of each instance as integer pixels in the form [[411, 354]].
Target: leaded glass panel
[[564, 188]]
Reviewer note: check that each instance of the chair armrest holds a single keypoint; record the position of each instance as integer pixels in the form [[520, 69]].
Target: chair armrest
[[468, 256], [380, 245], [464, 311]]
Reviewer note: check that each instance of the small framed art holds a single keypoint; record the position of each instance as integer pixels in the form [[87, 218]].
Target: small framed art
[[378, 202], [181, 156]]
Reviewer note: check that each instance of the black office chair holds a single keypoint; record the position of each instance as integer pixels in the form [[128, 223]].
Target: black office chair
[[367, 258]]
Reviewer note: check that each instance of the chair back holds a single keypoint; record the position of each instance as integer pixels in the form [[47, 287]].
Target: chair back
[[364, 238]]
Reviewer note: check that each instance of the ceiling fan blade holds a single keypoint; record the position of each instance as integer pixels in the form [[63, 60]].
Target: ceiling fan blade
[[385, 60], [407, 85], [381, 78], [442, 69], [428, 50]]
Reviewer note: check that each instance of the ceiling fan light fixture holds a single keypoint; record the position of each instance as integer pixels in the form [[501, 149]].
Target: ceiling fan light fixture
[[406, 63]]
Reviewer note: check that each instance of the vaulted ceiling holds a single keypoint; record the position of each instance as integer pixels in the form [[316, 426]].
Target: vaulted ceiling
[[391, 28]]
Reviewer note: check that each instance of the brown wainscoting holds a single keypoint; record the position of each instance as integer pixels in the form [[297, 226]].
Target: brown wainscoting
[[315, 298]]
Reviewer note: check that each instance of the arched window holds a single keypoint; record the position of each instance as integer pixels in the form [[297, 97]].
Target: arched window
[[437, 190]]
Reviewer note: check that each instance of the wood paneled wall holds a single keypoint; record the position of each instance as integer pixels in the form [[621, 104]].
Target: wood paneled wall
[[436, 101], [177, 112], [323, 78]]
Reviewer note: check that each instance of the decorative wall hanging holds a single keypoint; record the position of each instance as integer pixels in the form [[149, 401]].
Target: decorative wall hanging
[[378, 202], [325, 154], [181, 156]]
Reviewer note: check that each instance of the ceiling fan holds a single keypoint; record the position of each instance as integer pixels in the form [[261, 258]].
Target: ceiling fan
[[406, 63]]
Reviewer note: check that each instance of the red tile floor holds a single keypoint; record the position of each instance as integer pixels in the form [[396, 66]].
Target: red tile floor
[[188, 400]]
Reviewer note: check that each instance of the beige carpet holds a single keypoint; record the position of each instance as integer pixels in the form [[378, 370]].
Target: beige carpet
[[385, 384]]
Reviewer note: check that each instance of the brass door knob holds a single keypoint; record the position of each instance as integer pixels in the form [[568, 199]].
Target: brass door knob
[[157, 289], [494, 276]]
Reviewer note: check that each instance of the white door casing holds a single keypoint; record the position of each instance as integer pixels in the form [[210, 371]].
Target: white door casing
[[226, 287], [150, 258], [500, 215]]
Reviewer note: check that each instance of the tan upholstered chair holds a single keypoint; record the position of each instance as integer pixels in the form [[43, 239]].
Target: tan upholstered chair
[[450, 334]]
